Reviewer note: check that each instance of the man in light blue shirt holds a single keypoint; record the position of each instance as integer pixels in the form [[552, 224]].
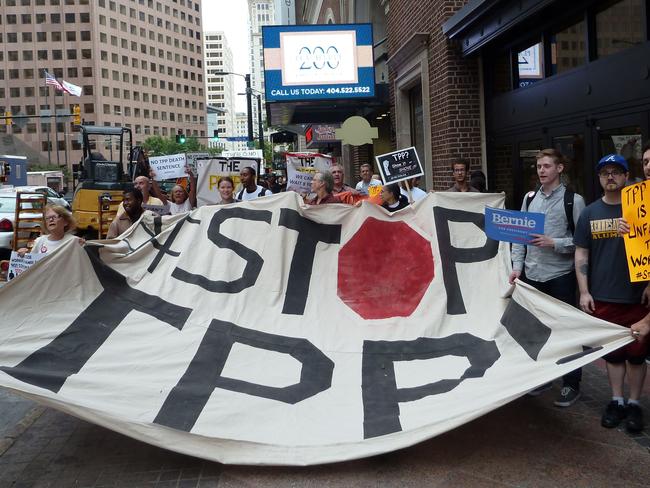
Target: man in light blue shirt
[[548, 262], [365, 171]]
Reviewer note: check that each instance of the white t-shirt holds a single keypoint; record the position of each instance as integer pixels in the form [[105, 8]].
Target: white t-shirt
[[417, 193], [176, 208], [43, 245], [243, 195], [362, 186]]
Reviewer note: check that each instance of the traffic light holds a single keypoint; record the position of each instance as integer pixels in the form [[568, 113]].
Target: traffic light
[[215, 135], [76, 115], [180, 138], [7, 117]]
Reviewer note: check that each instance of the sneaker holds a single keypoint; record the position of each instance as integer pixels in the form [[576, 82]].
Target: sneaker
[[634, 422], [540, 389], [568, 396], [614, 414]]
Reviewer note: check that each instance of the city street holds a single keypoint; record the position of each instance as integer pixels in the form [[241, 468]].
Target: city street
[[528, 443]]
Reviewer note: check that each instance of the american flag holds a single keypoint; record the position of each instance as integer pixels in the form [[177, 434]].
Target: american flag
[[51, 80]]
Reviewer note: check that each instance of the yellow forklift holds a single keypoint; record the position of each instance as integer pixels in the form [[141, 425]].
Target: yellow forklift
[[104, 172]]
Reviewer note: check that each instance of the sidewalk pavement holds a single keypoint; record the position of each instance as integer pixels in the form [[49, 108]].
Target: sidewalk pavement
[[527, 443]]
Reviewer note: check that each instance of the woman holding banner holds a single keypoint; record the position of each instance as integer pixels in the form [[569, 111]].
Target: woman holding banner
[[392, 199], [58, 225], [226, 190]]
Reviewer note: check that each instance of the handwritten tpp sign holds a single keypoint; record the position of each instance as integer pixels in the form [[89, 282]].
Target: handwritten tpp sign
[[512, 226], [399, 165], [168, 167], [637, 242], [18, 264]]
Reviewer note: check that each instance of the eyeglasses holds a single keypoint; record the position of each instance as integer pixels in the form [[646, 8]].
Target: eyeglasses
[[52, 218], [614, 172]]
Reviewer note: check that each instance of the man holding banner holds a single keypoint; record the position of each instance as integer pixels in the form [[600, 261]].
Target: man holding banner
[[607, 293], [365, 171], [548, 262]]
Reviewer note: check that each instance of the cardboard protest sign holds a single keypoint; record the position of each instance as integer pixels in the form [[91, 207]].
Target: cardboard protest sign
[[18, 264], [301, 168], [512, 225], [635, 200], [212, 170], [399, 165], [168, 167], [250, 334]]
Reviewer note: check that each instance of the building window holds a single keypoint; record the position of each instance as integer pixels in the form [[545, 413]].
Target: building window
[[530, 64], [568, 48], [619, 27]]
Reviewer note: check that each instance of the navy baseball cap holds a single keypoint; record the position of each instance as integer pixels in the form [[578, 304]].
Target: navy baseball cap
[[612, 159]]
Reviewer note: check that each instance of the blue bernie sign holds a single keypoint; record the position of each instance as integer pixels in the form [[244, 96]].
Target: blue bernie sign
[[512, 225]]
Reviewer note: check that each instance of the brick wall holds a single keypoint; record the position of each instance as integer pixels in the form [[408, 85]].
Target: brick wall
[[454, 102]]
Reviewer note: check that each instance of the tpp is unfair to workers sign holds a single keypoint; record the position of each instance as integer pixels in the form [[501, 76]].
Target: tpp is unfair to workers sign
[[250, 334], [635, 200]]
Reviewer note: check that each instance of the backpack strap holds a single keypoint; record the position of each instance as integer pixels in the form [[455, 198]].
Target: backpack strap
[[529, 198], [240, 194], [262, 193], [569, 197]]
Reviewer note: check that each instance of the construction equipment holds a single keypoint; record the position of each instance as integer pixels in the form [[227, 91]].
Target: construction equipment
[[105, 170], [108, 205]]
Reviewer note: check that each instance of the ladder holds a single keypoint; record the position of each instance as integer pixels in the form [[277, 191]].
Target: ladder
[[28, 222]]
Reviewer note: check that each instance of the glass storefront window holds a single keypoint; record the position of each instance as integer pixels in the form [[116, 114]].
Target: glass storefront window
[[626, 141], [619, 27], [416, 116], [528, 162], [572, 146], [502, 73], [568, 48], [502, 180], [530, 63]]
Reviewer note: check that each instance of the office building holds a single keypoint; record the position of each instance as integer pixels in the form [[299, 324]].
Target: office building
[[220, 88], [139, 63]]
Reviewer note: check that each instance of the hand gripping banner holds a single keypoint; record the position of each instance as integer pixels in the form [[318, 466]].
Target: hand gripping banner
[[268, 332]]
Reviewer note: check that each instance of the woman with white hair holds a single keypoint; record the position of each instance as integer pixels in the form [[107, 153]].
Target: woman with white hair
[[58, 225]]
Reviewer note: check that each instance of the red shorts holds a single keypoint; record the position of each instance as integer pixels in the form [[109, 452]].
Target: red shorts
[[624, 314]]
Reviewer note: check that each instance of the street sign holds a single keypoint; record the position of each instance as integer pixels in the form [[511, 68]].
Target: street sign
[[400, 165], [247, 153], [236, 138]]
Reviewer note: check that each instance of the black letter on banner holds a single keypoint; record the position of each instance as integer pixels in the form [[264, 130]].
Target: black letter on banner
[[253, 260], [186, 400], [51, 365], [310, 233], [381, 397], [526, 329], [451, 255]]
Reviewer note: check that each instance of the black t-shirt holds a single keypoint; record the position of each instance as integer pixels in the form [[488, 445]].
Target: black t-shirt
[[609, 279]]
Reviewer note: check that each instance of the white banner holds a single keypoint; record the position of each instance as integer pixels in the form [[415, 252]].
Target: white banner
[[301, 168], [168, 167], [252, 333]]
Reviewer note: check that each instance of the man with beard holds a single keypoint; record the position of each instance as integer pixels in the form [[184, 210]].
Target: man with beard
[[606, 291], [132, 204]]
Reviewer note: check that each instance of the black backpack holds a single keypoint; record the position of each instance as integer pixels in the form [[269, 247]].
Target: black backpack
[[569, 197]]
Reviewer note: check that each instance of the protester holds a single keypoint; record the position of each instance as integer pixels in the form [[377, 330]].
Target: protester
[[143, 184], [392, 199], [251, 190], [132, 200], [416, 192], [338, 175], [459, 168], [181, 201], [623, 226], [365, 171], [58, 225], [547, 263], [274, 186], [226, 190], [478, 180], [607, 293], [322, 185]]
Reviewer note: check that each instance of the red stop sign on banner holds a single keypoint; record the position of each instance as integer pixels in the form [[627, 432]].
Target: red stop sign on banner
[[384, 270]]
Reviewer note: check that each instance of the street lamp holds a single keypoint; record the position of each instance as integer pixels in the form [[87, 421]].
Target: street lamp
[[249, 101], [260, 130]]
